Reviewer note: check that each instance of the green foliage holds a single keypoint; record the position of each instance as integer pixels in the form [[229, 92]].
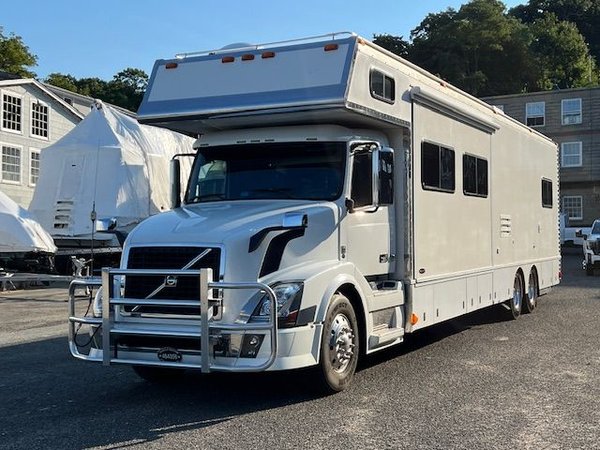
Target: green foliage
[[15, 56], [561, 53], [126, 89], [395, 44]]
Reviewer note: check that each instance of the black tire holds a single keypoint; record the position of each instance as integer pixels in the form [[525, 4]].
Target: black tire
[[515, 303], [589, 270], [158, 374], [531, 299], [339, 346]]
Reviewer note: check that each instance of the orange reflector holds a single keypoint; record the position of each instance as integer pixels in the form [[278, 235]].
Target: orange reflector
[[330, 47], [414, 319], [266, 55], [171, 66], [247, 57], [227, 59]]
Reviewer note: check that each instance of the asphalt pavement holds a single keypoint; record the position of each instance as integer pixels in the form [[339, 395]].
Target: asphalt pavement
[[477, 382]]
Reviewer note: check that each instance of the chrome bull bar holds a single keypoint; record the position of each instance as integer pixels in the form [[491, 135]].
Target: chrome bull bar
[[208, 324]]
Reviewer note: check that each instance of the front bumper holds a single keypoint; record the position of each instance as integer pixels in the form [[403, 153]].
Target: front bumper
[[226, 343]]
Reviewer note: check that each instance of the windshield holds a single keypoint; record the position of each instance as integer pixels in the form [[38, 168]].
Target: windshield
[[596, 228], [307, 171]]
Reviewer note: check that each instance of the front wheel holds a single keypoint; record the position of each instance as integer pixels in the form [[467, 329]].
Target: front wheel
[[339, 346]]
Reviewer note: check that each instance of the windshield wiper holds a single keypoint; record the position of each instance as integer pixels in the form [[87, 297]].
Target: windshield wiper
[[206, 197]]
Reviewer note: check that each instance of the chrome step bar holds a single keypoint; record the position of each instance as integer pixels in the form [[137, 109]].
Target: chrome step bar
[[209, 327]]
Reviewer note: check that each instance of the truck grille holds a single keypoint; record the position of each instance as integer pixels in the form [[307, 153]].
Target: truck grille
[[187, 288]]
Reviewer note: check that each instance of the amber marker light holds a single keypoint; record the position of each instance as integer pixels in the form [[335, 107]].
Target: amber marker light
[[414, 319], [267, 55], [171, 65], [227, 59], [330, 47], [248, 57]]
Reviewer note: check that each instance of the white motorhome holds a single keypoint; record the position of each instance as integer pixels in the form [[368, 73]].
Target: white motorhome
[[341, 197]]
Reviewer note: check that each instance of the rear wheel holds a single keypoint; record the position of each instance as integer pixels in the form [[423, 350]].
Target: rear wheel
[[532, 292], [158, 374], [516, 302], [339, 346]]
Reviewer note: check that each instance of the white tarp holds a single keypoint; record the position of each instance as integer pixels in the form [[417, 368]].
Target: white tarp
[[110, 163], [19, 232]]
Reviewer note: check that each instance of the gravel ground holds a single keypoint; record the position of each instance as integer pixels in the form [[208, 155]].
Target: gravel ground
[[477, 382]]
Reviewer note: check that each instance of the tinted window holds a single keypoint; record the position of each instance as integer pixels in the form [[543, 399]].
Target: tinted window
[[475, 176], [383, 87], [362, 179], [437, 167], [547, 193]]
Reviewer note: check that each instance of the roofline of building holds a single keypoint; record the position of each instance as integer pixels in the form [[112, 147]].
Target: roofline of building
[[537, 93], [92, 100], [23, 81]]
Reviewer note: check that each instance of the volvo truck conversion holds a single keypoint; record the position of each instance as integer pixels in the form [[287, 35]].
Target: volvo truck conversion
[[340, 198]]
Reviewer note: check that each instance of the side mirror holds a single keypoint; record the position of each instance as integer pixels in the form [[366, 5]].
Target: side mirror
[[350, 205], [175, 178], [106, 224]]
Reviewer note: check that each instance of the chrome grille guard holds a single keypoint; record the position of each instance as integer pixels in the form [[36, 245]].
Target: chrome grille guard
[[110, 324]]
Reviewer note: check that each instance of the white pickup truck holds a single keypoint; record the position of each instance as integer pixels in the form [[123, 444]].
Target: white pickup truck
[[591, 248]]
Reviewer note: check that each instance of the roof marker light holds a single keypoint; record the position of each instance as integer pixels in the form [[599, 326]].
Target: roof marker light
[[171, 65], [330, 47], [227, 59], [248, 57], [266, 55]]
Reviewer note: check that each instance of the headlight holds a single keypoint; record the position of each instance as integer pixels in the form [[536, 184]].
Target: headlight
[[288, 297]]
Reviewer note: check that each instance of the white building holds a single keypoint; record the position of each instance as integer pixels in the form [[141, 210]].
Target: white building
[[32, 117]]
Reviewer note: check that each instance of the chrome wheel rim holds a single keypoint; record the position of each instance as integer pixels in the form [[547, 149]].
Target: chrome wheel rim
[[517, 294], [341, 343], [532, 293]]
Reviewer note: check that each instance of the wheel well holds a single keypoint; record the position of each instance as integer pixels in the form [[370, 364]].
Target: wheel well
[[520, 273], [350, 292]]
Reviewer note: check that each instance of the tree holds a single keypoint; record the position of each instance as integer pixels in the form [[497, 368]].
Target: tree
[[15, 56], [478, 48], [67, 82], [562, 56], [395, 44], [585, 14]]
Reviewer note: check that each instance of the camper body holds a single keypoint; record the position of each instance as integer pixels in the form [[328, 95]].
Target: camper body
[[363, 196]]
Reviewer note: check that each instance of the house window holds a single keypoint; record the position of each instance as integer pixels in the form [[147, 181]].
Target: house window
[[570, 154], [546, 193], [437, 168], [535, 114], [39, 119], [475, 176], [11, 164], [11, 113], [571, 111], [383, 87], [572, 205], [34, 167]]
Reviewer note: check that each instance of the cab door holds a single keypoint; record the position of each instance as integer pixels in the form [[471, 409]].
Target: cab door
[[370, 220]]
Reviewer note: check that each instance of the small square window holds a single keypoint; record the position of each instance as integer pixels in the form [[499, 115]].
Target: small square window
[[383, 87], [572, 205], [39, 119], [571, 111], [11, 164], [535, 114], [571, 154], [11, 113]]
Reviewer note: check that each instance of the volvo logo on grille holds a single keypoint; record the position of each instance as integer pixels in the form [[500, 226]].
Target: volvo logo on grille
[[171, 281], [169, 354]]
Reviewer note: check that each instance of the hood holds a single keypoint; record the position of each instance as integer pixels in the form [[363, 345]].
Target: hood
[[230, 225]]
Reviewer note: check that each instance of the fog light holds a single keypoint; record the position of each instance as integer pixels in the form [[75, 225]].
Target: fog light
[[251, 345]]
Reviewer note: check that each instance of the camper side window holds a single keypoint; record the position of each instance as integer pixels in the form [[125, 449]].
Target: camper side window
[[546, 193], [475, 176], [437, 168], [382, 86]]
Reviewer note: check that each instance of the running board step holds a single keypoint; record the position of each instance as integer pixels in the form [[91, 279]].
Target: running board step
[[385, 335]]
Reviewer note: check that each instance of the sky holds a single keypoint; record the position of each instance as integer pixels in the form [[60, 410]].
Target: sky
[[99, 38]]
